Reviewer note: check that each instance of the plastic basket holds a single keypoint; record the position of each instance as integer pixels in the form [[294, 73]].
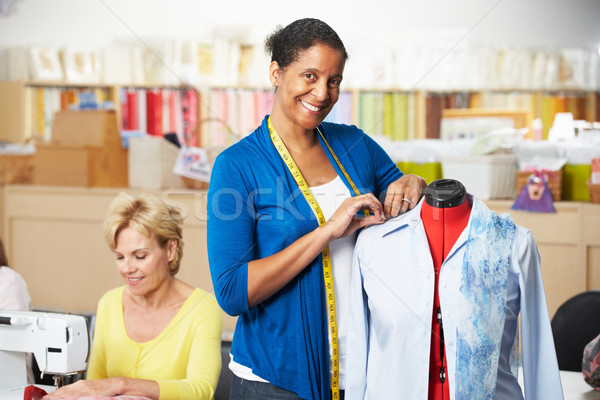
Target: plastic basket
[[594, 191], [487, 177]]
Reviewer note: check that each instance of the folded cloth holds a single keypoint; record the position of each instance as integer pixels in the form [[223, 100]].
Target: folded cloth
[[590, 366], [120, 397], [33, 393]]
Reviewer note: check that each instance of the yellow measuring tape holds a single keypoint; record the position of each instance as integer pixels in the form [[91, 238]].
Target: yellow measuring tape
[[327, 272]]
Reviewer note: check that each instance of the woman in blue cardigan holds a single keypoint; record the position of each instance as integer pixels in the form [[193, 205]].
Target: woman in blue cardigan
[[284, 205]]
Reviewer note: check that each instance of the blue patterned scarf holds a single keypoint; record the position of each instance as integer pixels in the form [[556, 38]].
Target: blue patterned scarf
[[482, 303]]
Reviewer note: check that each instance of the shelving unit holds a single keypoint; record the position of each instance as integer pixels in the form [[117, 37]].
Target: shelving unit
[[399, 114], [27, 108]]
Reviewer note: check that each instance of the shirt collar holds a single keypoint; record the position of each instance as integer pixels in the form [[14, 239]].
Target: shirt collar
[[412, 219]]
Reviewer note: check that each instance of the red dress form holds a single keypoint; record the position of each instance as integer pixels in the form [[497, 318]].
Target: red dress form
[[443, 226]]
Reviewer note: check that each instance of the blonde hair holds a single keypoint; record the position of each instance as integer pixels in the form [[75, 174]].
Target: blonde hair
[[148, 215]]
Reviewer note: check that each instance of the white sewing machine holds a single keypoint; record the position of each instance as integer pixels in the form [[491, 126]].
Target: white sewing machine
[[59, 343]]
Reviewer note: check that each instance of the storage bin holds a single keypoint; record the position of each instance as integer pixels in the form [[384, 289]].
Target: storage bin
[[429, 171], [574, 185], [594, 192], [487, 176], [151, 161]]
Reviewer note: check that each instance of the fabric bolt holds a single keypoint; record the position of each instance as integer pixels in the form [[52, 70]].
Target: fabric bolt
[[392, 289], [184, 358], [255, 209]]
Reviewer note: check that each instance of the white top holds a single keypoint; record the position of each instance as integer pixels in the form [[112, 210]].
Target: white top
[[329, 197], [391, 296], [15, 297], [13, 291]]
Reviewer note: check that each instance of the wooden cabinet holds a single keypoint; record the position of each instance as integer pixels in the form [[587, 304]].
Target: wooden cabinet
[[54, 238], [569, 246]]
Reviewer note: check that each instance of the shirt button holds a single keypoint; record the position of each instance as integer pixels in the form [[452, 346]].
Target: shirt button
[[445, 285], [446, 314]]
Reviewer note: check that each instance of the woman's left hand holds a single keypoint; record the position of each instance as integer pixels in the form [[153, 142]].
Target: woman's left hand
[[95, 387], [403, 195]]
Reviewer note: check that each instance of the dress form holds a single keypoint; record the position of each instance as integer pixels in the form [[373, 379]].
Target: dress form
[[445, 214]]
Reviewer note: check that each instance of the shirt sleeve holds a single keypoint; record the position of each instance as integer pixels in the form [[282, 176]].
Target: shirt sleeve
[[204, 364], [358, 336], [230, 235], [540, 367], [13, 291]]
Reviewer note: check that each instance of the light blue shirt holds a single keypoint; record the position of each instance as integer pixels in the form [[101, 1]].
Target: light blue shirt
[[389, 336]]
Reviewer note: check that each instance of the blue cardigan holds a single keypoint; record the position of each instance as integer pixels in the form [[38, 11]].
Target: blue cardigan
[[255, 209]]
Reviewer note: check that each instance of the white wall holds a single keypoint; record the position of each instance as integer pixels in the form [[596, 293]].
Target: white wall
[[532, 23]]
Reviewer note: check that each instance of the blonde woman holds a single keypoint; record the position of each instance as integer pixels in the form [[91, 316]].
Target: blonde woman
[[156, 336]]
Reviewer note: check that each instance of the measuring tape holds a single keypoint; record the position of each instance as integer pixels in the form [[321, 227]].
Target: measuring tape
[[327, 272]]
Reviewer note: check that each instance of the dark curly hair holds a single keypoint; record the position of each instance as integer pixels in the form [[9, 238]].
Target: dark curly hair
[[285, 44]]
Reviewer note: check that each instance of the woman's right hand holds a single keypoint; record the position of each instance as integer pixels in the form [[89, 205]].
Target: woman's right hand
[[345, 220], [97, 387]]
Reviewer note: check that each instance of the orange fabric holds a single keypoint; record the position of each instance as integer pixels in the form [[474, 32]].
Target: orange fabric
[[443, 226]]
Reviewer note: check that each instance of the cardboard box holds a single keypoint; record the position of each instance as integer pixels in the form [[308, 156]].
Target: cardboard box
[[16, 168], [85, 151]]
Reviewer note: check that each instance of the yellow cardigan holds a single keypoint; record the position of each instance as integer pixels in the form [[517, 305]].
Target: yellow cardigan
[[185, 358]]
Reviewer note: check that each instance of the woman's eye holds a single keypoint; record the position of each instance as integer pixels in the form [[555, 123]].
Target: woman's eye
[[309, 76], [335, 82], [140, 257], [119, 257]]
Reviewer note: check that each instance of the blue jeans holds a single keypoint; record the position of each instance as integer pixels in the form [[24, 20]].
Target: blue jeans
[[242, 389]]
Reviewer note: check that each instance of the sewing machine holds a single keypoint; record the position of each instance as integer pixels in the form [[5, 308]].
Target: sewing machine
[[59, 343]]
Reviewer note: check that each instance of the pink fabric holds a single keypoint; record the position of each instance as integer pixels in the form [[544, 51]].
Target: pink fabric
[[591, 363]]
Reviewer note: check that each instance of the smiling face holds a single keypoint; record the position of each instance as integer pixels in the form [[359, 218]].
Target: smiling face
[[142, 261], [307, 88]]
